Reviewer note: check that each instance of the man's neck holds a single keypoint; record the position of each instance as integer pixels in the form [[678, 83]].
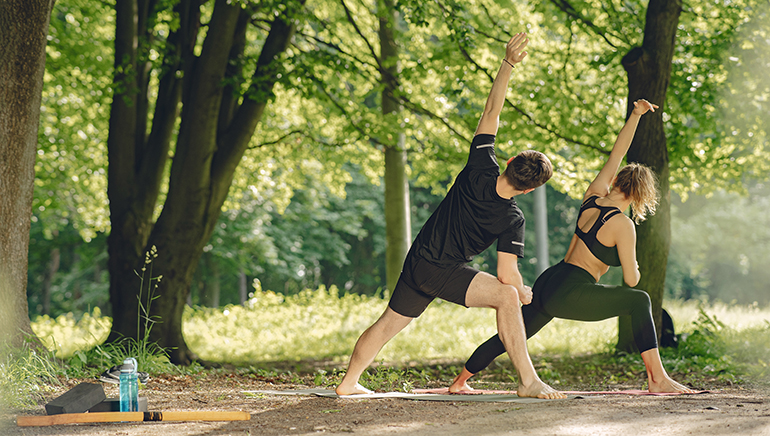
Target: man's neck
[[505, 189]]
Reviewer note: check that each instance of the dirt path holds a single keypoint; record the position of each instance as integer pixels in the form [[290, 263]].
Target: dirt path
[[735, 410]]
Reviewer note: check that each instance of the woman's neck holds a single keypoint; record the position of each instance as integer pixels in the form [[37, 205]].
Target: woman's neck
[[617, 199]]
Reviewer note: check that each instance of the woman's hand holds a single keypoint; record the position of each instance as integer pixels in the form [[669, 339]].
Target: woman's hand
[[514, 50], [641, 107]]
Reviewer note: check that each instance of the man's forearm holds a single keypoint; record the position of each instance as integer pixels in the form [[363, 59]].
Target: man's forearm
[[496, 98]]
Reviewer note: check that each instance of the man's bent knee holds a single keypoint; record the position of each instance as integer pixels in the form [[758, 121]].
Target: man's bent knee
[[391, 322], [486, 291], [504, 296]]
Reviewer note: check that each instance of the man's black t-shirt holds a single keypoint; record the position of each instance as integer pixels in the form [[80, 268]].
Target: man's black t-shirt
[[472, 215]]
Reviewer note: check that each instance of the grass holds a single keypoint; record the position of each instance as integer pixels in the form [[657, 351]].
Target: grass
[[75, 349], [321, 324], [65, 335], [720, 344], [26, 376]]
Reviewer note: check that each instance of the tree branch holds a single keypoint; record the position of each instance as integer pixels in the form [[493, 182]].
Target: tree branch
[[352, 21], [528, 116], [570, 10]]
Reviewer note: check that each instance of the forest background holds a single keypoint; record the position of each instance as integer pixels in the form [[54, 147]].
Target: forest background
[[307, 204]]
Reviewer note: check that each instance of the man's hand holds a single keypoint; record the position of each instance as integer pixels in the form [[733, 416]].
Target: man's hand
[[514, 51], [525, 296], [641, 107]]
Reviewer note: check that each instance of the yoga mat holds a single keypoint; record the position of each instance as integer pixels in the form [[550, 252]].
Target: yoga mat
[[414, 395], [445, 391]]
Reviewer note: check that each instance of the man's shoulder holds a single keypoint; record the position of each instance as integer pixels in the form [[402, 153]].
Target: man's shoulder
[[482, 152], [514, 214]]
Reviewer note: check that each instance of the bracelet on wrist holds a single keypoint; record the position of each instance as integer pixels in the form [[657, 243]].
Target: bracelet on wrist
[[508, 62]]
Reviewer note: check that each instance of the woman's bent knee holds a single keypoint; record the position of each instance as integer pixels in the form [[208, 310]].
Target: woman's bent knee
[[641, 299]]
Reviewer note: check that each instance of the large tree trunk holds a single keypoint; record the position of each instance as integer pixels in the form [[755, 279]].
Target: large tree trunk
[[23, 33], [397, 215], [213, 135], [211, 291], [649, 71], [136, 160]]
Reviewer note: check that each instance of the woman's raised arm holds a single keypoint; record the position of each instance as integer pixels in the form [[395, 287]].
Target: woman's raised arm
[[601, 184]]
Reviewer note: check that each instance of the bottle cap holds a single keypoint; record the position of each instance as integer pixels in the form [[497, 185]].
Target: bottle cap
[[129, 365]]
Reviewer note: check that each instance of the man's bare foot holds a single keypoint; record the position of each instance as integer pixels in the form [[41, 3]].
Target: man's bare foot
[[539, 390], [669, 385], [354, 390], [460, 383]]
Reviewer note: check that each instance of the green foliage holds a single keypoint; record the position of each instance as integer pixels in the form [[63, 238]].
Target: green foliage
[[70, 167], [389, 379], [140, 347], [718, 247], [324, 325], [705, 348], [718, 97], [26, 376], [64, 335], [305, 207], [714, 349], [318, 322], [78, 282]]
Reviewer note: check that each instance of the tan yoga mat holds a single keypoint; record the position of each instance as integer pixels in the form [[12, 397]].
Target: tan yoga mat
[[442, 394], [445, 391], [503, 398]]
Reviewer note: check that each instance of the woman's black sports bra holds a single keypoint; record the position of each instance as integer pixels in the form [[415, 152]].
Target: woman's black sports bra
[[608, 255]]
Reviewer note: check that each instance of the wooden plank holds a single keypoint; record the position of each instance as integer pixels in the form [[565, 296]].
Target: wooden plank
[[77, 400], [74, 418]]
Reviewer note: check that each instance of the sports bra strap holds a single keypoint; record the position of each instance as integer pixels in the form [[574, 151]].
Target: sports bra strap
[[610, 215], [608, 255]]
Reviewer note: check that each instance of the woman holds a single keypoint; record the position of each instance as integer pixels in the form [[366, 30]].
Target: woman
[[604, 237]]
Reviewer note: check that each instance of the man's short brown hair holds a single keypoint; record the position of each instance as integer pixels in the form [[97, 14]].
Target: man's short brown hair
[[528, 170]]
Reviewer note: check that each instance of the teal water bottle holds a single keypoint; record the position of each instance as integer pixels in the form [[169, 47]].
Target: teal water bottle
[[129, 386]]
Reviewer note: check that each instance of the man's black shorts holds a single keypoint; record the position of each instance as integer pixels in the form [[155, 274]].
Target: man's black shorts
[[421, 282]]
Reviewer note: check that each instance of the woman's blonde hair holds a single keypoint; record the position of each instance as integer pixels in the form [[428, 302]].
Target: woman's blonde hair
[[639, 183]]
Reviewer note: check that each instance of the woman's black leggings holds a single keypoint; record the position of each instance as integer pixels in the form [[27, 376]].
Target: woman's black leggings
[[570, 292]]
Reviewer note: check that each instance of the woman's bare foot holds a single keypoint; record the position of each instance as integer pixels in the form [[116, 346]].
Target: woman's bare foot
[[539, 390], [460, 382], [657, 379], [668, 385], [353, 390]]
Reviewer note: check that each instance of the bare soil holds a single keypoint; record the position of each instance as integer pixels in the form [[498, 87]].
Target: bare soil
[[739, 410]]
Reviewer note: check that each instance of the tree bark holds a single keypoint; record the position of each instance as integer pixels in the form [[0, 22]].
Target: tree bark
[[136, 160], [214, 133], [648, 69], [211, 290], [23, 33], [243, 289], [397, 214]]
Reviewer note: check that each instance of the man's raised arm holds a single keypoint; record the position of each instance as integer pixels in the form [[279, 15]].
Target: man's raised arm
[[514, 53]]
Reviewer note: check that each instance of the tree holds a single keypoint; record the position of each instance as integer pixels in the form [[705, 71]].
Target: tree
[[569, 99], [220, 110], [397, 218], [23, 32], [649, 73]]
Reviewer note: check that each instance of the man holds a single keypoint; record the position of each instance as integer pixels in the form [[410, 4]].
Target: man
[[478, 209]]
